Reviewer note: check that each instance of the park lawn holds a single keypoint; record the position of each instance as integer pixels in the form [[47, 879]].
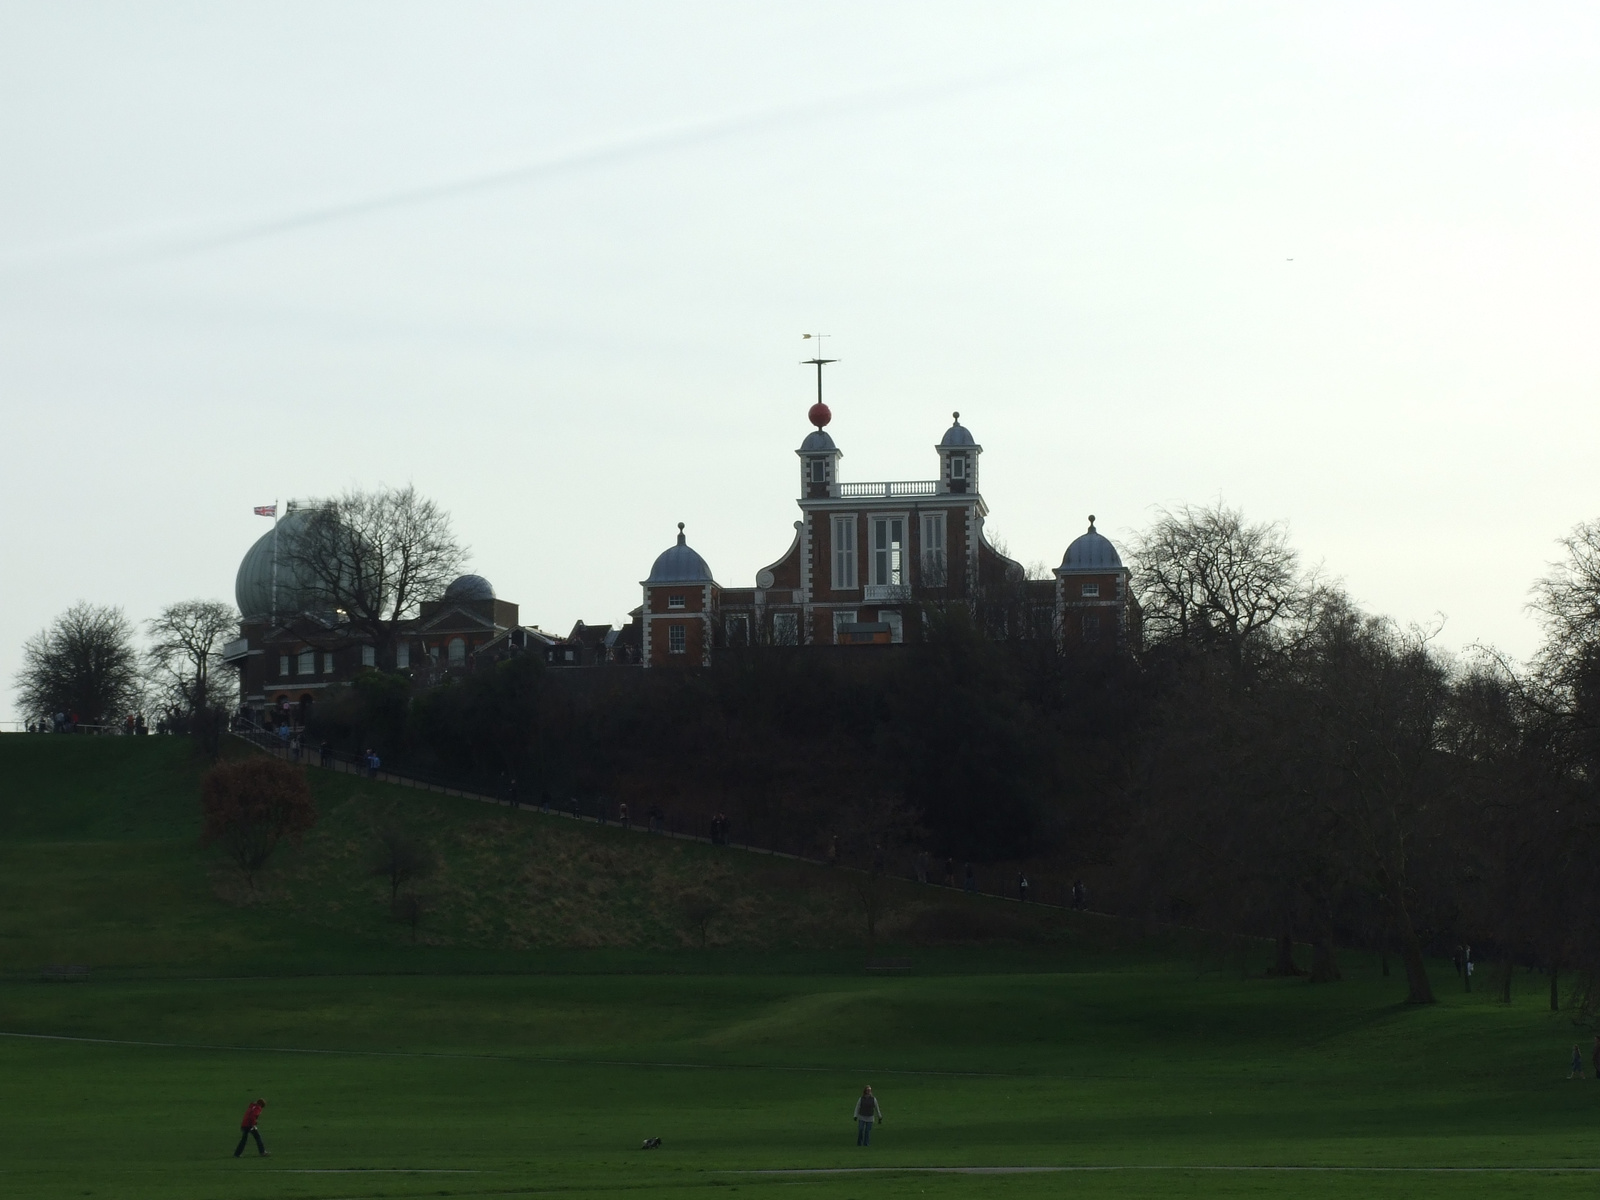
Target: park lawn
[[547, 1083], [491, 1063]]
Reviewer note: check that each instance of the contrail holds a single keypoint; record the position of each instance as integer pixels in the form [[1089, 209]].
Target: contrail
[[166, 244], [639, 146]]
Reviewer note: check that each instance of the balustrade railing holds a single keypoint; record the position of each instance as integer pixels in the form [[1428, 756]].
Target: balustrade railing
[[910, 487]]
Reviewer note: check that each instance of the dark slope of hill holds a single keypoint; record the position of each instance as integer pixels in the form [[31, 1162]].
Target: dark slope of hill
[[100, 864]]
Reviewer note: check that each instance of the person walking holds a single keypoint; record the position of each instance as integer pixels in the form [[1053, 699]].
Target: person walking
[[867, 1111], [248, 1129], [1576, 1071], [1022, 887]]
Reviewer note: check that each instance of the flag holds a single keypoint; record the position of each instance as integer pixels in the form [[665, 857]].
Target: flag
[[266, 510]]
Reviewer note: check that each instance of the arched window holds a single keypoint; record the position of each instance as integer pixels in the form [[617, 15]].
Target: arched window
[[458, 652]]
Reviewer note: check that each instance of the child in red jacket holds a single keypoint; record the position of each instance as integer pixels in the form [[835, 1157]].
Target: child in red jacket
[[247, 1128]]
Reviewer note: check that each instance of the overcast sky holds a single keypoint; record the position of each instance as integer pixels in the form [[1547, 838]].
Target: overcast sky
[[1336, 264]]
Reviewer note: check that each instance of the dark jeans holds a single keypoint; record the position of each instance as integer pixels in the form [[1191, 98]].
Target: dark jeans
[[244, 1136], [863, 1132]]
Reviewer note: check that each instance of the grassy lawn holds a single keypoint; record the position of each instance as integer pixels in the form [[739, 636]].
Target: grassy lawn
[[504, 1067]]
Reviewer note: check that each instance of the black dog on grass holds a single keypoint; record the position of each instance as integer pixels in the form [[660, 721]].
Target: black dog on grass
[[651, 1144]]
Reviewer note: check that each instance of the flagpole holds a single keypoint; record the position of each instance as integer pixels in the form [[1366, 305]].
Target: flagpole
[[274, 561]]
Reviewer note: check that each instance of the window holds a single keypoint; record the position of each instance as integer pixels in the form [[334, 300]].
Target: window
[[1091, 627], [958, 466], [402, 656], [677, 639], [369, 656], [307, 664], [933, 556], [785, 629], [433, 653], [283, 664], [897, 627], [888, 550], [674, 601], [738, 629], [841, 617], [327, 662], [458, 652], [844, 553], [819, 470], [1091, 589]]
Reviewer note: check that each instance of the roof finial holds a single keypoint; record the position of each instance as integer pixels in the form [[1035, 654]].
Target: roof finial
[[680, 532], [1091, 523], [956, 417]]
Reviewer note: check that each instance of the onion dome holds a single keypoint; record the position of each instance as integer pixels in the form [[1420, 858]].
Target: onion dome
[[957, 435], [679, 564], [469, 587], [1091, 552], [253, 587]]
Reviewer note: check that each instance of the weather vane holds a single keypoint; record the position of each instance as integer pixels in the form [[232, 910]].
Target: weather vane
[[819, 361]]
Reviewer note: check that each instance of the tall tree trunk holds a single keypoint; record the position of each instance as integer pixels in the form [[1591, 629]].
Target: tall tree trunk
[[1284, 964], [1555, 996], [1418, 989], [1324, 966]]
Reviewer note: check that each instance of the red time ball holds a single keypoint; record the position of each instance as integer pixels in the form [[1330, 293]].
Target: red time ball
[[819, 414]]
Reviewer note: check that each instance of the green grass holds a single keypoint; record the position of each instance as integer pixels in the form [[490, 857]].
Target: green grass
[[497, 1069]]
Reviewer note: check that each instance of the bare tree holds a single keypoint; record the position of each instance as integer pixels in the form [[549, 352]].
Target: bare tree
[[185, 661], [1384, 696], [373, 557], [1207, 576], [1567, 599], [700, 906], [250, 806], [85, 662], [400, 858]]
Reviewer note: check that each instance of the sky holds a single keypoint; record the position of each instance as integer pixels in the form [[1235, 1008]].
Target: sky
[[1334, 265]]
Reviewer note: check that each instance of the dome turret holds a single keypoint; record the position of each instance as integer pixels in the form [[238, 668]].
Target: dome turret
[[469, 587], [679, 564], [958, 434], [1091, 551]]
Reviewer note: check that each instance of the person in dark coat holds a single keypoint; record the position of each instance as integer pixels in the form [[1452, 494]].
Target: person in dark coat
[[867, 1111], [248, 1129]]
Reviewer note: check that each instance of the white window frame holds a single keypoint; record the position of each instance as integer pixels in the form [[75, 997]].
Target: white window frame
[[327, 662], [896, 624], [307, 664], [369, 656], [677, 638], [679, 601], [785, 629], [958, 467], [283, 666], [736, 629], [456, 652], [842, 616], [402, 656], [888, 552], [818, 471], [843, 530], [1090, 591], [934, 553]]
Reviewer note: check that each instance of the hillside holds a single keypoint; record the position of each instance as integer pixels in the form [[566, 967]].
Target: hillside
[[99, 844]]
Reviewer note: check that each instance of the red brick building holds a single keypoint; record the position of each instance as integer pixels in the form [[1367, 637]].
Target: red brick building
[[869, 561]]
